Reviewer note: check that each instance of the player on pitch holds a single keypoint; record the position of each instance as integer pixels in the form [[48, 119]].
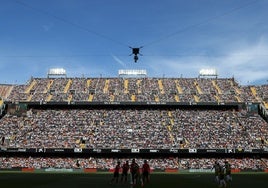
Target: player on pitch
[[125, 169], [145, 172]]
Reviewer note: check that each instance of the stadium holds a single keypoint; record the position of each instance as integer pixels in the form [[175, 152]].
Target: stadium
[[133, 93], [64, 124]]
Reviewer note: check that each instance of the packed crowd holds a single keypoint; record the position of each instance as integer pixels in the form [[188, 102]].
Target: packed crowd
[[100, 129], [242, 163], [262, 92], [135, 128], [219, 129], [5, 89], [109, 163], [144, 89], [100, 163]]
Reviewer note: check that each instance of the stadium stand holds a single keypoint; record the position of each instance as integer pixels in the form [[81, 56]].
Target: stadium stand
[[138, 89], [133, 128], [152, 117], [107, 164]]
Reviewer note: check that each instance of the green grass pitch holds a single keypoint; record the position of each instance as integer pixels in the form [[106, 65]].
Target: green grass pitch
[[102, 180]]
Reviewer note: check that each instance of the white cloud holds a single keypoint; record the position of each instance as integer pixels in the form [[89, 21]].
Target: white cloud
[[119, 61], [248, 64]]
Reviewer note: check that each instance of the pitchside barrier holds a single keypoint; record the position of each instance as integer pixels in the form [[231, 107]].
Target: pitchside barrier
[[130, 151], [96, 170]]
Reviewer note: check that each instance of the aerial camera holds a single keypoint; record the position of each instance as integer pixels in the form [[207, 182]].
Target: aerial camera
[[136, 52]]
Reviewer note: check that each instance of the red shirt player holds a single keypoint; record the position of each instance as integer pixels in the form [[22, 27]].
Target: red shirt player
[[145, 172], [125, 169], [116, 173], [135, 173]]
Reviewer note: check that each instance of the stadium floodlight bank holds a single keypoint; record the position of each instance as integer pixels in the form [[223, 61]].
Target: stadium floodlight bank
[[132, 73], [56, 72], [208, 73]]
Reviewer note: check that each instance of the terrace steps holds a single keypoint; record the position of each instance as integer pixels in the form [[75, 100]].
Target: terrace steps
[[199, 90], [70, 97], [1, 102], [177, 99], [196, 98], [254, 92], [179, 89], [217, 98], [169, 126], [133, 98], [106, 86], [90, 97], [237, 90], [49, 84], [88, 83], [112, 98], [161, 87], [29, 98], [138, 83], [30, 86], [126, 86], [216, 86], [69, 83], [156, 98], [265, 104], [238, 98], [49, 97]]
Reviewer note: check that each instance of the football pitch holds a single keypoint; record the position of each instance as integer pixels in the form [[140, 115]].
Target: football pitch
[[102, 180]]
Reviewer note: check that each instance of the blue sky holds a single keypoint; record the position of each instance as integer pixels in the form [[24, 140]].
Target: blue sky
[[92, 38]]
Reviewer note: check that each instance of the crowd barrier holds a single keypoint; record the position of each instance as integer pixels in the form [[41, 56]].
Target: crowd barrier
[[95, 170]]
